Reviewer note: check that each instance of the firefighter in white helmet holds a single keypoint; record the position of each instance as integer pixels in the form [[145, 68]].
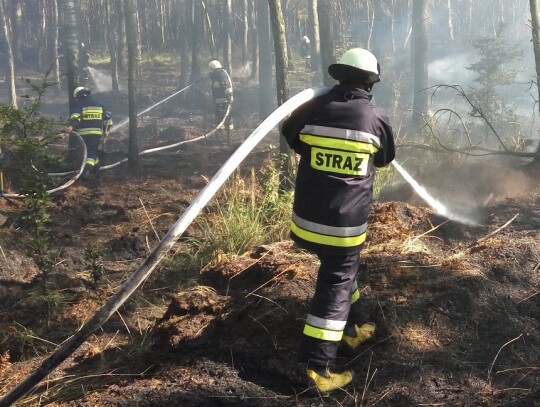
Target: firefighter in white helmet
[[91, 121], [305, 50], [341, 138], [222, 94]]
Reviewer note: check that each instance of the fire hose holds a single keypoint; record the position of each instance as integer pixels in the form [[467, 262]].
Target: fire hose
[[154, 258]]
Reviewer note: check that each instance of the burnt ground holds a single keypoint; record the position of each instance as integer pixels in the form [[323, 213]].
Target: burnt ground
[[457, 306]]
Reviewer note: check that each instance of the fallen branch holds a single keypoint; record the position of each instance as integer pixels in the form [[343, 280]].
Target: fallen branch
[[497, 355], [476, 243]]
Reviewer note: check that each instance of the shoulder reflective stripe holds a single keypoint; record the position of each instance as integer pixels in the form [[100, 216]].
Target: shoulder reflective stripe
[[345, 231], [91, 161], [325, 323], [347, 145], [328, 240], [324, 334], [355, 296], [75, 116], [345, 134], [92, 109], [340, 162]]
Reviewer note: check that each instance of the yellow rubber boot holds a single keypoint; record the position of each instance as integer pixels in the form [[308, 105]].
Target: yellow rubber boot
[[326, 380], [363, 333]]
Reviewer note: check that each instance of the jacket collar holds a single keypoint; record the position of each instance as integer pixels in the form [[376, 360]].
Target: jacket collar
[[352, 92]]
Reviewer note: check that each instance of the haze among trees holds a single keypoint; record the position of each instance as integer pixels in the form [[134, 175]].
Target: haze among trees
[[407, 36]]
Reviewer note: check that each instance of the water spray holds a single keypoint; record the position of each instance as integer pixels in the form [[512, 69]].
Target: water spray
[[154, 258], [126, 121], [435, 204]]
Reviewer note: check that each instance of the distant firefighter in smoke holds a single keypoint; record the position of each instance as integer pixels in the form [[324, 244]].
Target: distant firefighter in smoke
[[91, 121], [222, 94]]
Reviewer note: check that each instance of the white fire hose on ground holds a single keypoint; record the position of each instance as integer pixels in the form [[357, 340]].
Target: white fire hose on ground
[[149, 264], [75, 174]]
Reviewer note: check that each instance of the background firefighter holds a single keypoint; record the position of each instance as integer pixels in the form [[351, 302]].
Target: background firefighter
[[222, 93], [91, 121], [341, 137]]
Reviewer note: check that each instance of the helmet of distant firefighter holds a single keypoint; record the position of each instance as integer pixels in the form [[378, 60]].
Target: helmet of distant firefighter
[[214, 64], [81, 91]]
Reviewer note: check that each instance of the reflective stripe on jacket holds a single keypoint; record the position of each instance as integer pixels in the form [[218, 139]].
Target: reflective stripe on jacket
[[89, 117], [341, 137]]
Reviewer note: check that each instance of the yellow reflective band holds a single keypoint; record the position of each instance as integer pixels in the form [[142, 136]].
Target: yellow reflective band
[[339, 162], [91, 131], [324, 334], [345, 134], [346, 145], [92, 110], [75, 116], [355, 296], [327, 240]]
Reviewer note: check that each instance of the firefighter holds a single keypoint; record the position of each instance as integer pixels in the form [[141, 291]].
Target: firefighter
[[84, 60], [91, 121], [341, 138], [222, 94], [305, 51]]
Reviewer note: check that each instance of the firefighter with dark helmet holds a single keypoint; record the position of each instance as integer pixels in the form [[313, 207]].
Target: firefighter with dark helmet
[[222, 94], [341, 138], [91, 121]]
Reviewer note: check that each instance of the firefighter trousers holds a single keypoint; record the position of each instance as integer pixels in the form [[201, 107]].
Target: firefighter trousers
[[92, 149], [333, 307]]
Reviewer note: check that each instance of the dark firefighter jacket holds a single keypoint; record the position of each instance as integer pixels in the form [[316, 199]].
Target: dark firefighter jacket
[[222, 89], [341, 137], [90, 117]]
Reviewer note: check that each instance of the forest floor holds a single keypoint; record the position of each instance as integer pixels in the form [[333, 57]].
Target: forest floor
[[457, 306]]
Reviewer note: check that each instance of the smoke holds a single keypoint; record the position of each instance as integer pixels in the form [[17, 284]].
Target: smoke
[[102, 82]]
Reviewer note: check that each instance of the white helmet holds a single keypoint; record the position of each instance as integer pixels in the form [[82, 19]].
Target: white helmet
[[80, 90], [214, 64], [356, 64], [305, 39]]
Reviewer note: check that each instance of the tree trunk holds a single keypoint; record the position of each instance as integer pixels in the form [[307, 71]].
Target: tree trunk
[[197, 37], [121, 30], [282, 85], [15, 27], [244, 30], [132, 37], [183, 35], [53, 42], [419, 62], [265, 60], [450, 20], [326, 14], [9, 51], [313, 33], [254, 39], [535, 25], [71, 44], [280, 49], [112, 45], [227, 57]]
